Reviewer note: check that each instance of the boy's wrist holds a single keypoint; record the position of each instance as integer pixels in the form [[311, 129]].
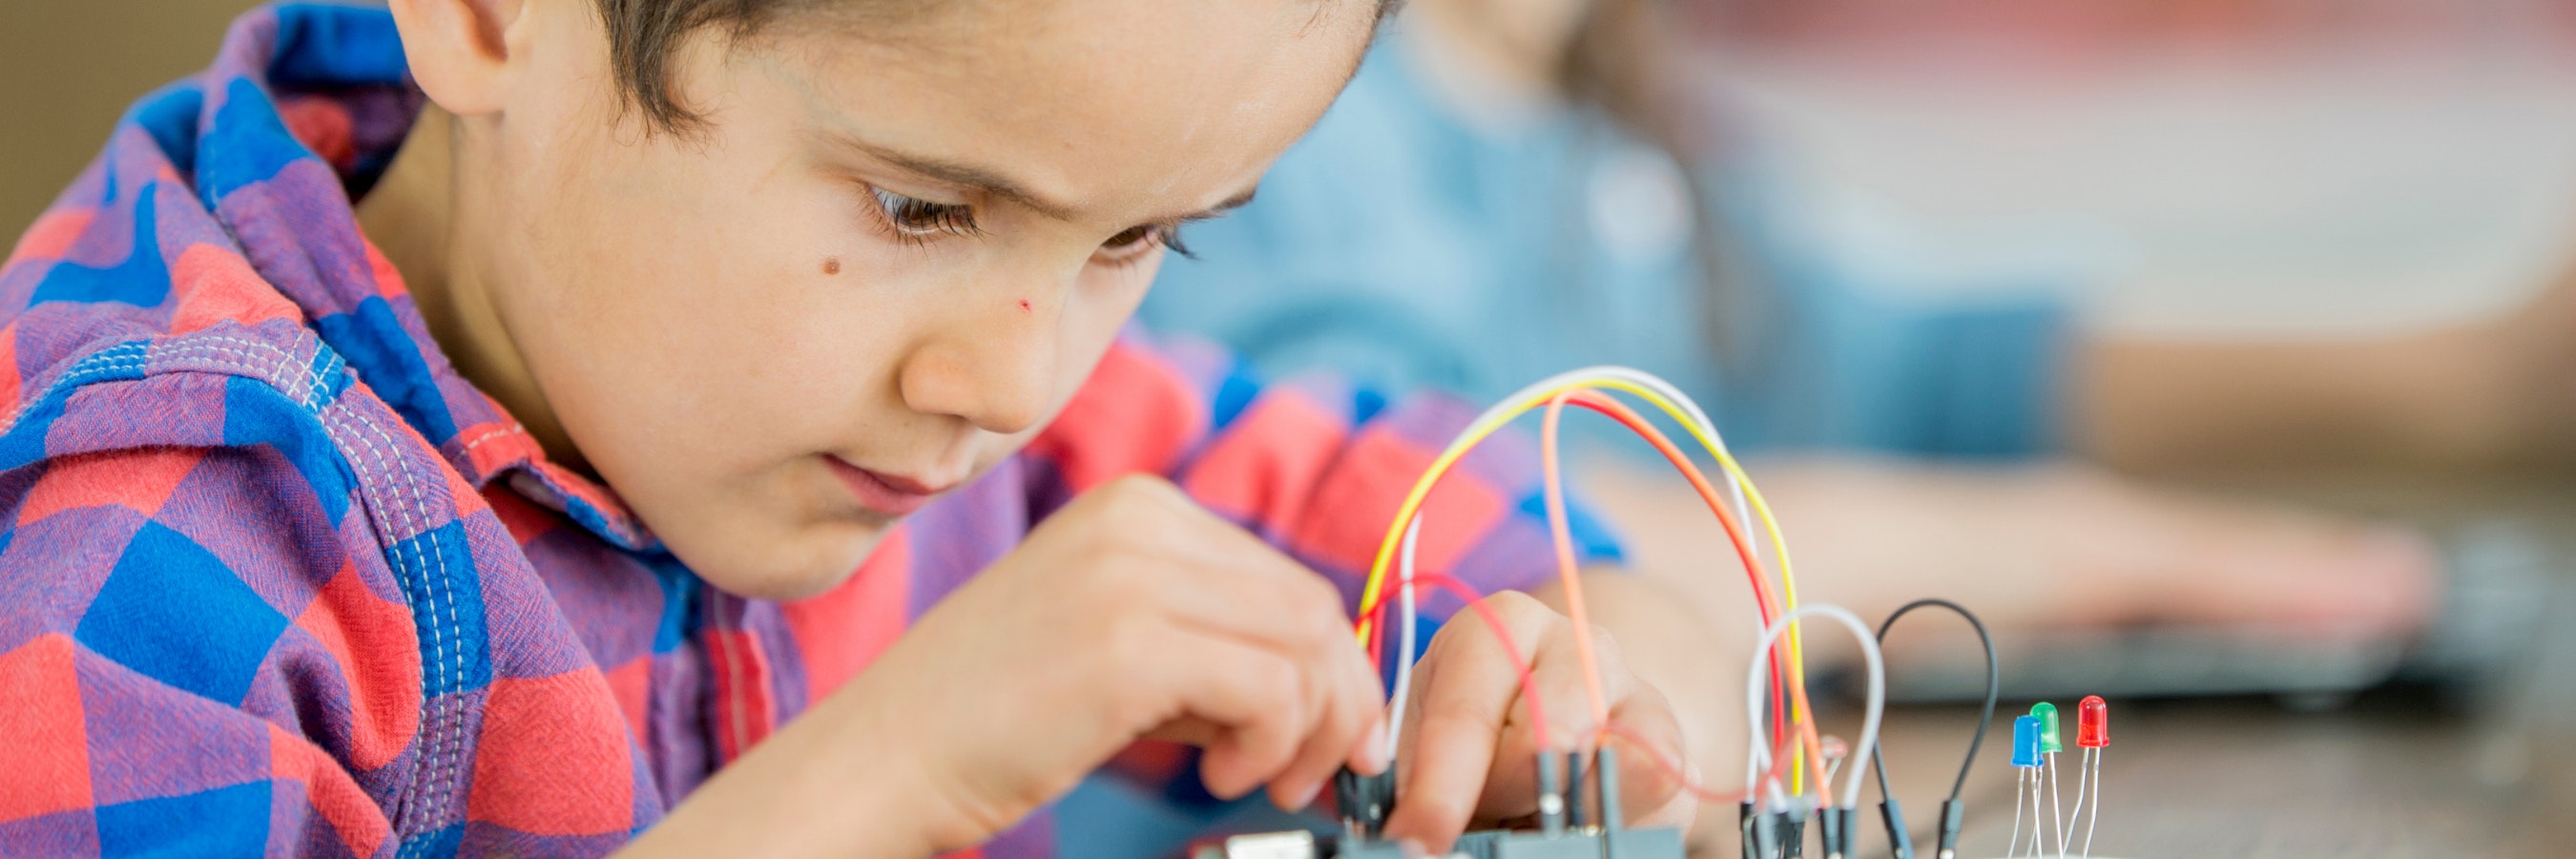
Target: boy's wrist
[[906, 783], [835, 782], [873, 769]]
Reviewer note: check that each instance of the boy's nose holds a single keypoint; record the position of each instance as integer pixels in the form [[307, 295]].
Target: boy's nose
[[995, 370]]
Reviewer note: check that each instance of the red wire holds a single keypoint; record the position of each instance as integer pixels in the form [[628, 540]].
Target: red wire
[[1664, 764], [1529, 683]]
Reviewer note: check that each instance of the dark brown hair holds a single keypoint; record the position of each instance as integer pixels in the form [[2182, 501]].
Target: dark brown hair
[[643, 35]]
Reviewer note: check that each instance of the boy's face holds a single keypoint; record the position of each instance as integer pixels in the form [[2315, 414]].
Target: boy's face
[[893, 252]]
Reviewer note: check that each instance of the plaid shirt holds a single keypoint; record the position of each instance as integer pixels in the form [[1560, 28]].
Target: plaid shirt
[[275, 579]]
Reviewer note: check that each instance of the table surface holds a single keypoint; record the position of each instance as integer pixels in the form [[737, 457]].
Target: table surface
[[2395, 778], [2487, 771]]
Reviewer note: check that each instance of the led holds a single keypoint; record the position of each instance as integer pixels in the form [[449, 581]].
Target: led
[[2026, 742], [2050, 741], [2092, 723]]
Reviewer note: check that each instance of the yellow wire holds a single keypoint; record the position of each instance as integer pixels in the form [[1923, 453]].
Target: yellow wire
[[1477, 433]]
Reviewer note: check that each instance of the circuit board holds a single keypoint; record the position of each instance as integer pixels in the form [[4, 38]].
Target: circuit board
[[1568, 826]]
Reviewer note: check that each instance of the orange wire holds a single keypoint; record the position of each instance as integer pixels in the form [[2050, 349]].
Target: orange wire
[[1554, 483], [1560, 534], [1764, 603]]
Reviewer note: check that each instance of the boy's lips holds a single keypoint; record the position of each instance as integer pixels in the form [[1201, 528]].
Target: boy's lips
[[888, 494]]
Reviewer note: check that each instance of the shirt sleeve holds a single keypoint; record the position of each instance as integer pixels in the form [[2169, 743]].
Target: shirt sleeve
[[1313, 464], [177, 670]]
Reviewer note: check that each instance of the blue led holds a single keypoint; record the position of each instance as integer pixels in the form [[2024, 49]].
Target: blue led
[[2026, 741]]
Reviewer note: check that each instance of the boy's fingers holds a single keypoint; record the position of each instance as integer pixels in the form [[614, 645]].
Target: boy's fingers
[[1466, 693], [1219, 582], [1226, 578], [1253, 696], [1510, 787], [1348, 706], [1339, 690], [1652, 742]]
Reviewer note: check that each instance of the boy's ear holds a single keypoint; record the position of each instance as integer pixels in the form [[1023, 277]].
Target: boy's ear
[[460, 50]]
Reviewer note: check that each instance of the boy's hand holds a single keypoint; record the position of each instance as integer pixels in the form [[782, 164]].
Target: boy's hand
[[1131, 613], [1469, 755]]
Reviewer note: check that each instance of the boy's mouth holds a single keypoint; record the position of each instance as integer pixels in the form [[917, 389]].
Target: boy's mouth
[[892, 495]]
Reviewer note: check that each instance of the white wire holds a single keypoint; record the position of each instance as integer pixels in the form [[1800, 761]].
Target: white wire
[[2095, 765], [2083, 776], [2021, 793], [2056, 809], [2038, 832], [1404, 637], [1495, 414], [1760, 746]]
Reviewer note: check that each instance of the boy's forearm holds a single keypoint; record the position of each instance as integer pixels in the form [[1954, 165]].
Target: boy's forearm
[[824, 786]]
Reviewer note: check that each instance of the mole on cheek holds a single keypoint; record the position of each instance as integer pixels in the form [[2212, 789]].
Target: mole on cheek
[[831, 265]]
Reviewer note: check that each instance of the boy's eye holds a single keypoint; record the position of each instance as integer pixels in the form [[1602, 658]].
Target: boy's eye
[[918, 219], [1143, 237]]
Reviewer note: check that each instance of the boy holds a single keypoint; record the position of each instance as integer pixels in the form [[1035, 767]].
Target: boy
[[514, 507]]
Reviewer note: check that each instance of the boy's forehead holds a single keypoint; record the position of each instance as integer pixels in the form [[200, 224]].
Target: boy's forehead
[[1090, 102]]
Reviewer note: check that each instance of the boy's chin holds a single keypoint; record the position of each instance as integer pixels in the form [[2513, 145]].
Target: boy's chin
[[787, 577]]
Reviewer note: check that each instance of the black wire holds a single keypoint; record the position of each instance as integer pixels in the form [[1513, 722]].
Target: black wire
[[1994, 686]]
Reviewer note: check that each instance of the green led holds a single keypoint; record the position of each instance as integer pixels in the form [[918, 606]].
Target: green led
[[2048, 740]]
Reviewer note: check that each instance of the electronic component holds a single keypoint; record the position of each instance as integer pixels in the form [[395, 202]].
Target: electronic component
[[2049, 741], [2025, 761], [1364, 802], [1790, 771], [1570, 828], [2093, 735], [1953, 813], [2092, 723], [2049, 746]]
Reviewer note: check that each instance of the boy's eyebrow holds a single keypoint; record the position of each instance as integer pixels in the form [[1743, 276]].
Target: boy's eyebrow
[[989, 182]]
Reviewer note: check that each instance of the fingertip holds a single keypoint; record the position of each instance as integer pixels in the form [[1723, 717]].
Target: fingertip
[[1221, 771], [1372, 758], [1426, 820], [1295, 799]]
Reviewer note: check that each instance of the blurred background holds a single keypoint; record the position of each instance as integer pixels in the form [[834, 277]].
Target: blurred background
[[2265, 165], [68, 68], [2181, 169]]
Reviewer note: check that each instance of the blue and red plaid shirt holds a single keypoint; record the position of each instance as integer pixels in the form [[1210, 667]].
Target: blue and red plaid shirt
[[275, 579]]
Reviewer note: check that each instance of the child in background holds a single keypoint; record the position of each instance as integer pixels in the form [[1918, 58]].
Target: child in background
[[454, 429], [1515, 186]]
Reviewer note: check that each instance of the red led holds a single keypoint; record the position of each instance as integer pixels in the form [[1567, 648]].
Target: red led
[[2092, 723]]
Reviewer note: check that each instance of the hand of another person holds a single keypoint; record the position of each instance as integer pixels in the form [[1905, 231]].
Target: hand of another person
[[2057, 545]]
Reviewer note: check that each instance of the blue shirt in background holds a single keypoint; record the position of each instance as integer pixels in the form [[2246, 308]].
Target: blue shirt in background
[[1412, 247]]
